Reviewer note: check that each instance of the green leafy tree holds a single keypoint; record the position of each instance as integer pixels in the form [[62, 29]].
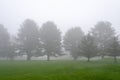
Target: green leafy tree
[[28, 38], [88, 47], [72, 40], [102, 33], [50, 36]]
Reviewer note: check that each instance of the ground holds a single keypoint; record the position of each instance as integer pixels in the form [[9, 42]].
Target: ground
[[60, 70]]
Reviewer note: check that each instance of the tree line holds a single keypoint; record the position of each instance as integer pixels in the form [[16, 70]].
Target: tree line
[[31, 40]]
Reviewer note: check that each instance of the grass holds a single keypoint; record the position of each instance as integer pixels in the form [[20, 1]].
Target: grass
[[59, 70]]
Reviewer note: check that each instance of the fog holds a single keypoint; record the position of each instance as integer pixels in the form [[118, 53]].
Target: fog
[[59, 39], [65, 13]]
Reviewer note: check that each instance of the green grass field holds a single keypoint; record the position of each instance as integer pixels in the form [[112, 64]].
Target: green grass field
[[59, 70]]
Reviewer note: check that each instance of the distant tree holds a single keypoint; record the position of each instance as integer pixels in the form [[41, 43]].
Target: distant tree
[[72, 40], [102, 33], [88, 47], [114, 48], [51, 39], [28, 38], [4, 41], [13, 48], [11, 51]]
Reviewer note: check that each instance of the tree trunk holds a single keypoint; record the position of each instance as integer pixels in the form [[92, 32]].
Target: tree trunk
[[28, 57], [88, 59], [11, 58], [8, 58], [48, 57], [102, 57], [74, 58], [115, 59]]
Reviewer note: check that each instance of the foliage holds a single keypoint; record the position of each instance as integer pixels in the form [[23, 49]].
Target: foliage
[[88, 47], [50, 37], [4, 41], [114, 48], [103, 33], [72, 40], [28, 38]]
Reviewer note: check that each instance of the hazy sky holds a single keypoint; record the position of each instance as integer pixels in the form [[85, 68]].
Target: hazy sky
[[65, 13]]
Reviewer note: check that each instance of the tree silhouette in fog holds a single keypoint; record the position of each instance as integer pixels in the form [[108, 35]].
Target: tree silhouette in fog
[[50, 36], [88, 47], [72, 40], [4, 41], [103, 33], [28, 38], [47, 40], [114, 48]]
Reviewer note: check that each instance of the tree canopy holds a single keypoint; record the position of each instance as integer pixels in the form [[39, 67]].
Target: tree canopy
[[114, 48], [28, 37], [103, 33], [72, 40], [88, 47], [4, 41], [50, 36]]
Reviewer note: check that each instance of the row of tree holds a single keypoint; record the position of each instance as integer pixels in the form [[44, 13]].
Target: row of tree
[[47, 40]]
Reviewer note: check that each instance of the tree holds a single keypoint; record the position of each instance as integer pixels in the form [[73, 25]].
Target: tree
[[72, 40], [13, 48], [114, 48], [4, 41], [51, 39], [102, 33], [28, 38], [88, 47]]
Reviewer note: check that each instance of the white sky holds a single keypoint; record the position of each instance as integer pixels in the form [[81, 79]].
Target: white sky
[[65, 13]]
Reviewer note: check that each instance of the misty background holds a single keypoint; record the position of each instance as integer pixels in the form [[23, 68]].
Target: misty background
[[59, 39], [64, 13]]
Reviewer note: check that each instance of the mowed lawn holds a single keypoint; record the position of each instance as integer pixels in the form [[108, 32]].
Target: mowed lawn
[[59, 70]]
